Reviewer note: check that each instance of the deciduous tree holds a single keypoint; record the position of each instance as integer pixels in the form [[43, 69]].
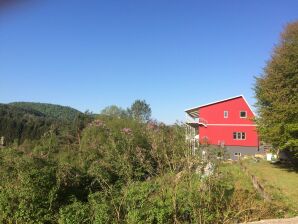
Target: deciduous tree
[[277, 93], [114, 111], [140, 111]]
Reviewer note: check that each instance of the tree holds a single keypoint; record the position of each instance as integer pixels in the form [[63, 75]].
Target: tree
[[80, 122], [277, 93], [114, 111], [140, 111]]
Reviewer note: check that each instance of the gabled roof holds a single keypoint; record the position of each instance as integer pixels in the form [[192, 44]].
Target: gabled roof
[[193, 112]]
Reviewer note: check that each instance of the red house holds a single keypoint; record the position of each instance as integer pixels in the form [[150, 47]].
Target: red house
[[228, 122]]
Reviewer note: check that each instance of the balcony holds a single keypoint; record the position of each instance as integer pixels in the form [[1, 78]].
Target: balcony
[[194, 122]]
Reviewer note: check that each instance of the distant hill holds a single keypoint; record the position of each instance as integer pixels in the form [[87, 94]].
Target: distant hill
[[22, 123], [64, 113]]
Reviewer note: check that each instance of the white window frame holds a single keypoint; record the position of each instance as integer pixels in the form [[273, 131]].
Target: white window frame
[[239, 134], [245, 113], [226, 114]]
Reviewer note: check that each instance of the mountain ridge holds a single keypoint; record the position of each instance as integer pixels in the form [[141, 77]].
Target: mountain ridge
[[56, 111]]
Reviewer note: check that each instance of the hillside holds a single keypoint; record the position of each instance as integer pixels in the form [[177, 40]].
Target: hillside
[[22, 123], [55, 111]]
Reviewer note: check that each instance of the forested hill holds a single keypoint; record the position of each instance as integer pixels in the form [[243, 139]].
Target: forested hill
[[22, 123], [25, 120], [50, 110]]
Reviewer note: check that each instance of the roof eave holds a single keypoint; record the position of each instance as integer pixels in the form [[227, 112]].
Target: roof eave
[[230, 98], [204, 105]]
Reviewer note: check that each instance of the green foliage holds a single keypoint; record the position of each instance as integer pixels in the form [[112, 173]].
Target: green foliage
[[140, 111], [100, 208], [28, 188], [277, 93], [114, 111], [31, 121], [115, 170], [116, 155], [50, 110], [20, 124], [76, 212], [145, 204]]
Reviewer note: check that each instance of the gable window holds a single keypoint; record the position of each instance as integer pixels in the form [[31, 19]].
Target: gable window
[[239, 135], [243, 114], [226, 114]]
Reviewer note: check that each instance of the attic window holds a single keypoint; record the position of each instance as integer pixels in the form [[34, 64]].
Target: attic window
[[226, 114], [243, 114]]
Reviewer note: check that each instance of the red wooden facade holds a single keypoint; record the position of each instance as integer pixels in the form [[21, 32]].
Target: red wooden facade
[[227, 122]]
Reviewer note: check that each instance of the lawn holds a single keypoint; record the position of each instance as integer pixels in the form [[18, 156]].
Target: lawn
[[280, 182]]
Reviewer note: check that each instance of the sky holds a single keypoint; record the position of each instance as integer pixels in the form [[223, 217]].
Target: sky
[[174, 54]]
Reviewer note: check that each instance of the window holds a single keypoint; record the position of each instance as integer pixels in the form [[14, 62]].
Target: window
[[226, 114], [239, 135], [237, 154], [242, 114], [243, 135]]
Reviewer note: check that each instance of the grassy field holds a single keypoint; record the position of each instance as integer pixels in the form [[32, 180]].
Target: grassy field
[[237, 176], [245, 196], [281, 183]]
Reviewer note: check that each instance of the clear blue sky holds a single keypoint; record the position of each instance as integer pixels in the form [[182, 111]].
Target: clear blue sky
[[174, 54]]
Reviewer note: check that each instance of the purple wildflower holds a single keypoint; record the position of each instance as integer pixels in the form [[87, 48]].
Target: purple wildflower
[[127, 131]]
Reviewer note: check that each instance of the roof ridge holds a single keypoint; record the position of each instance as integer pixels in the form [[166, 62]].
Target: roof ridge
[[192, 110], [214, 102]]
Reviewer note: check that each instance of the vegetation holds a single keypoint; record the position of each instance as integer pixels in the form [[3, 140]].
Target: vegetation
[[277, 94], [30, 121], [114, 111], [107, 169], [50, 110], [19, 124], [116, 168], [139, 110], [280, 183]]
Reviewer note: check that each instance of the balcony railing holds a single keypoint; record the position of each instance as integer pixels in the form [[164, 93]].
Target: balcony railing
[[198, 120]]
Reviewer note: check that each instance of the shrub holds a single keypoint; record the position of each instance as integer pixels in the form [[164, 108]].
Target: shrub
[[76, 212]]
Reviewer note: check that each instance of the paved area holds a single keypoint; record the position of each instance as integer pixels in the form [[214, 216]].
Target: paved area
[[277, 221]]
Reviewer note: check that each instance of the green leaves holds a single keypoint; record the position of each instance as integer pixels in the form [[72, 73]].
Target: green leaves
[[277, 92], [120, 171], [29, 190], [76, 212], [140, 111]]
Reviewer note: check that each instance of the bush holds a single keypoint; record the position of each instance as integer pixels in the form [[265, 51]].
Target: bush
[[120, 171], [77, 212], [29, 189]]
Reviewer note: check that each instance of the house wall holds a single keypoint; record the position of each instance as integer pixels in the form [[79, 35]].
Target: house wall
[[217, 134], [244, 150], [214, 113], [220, 129]]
